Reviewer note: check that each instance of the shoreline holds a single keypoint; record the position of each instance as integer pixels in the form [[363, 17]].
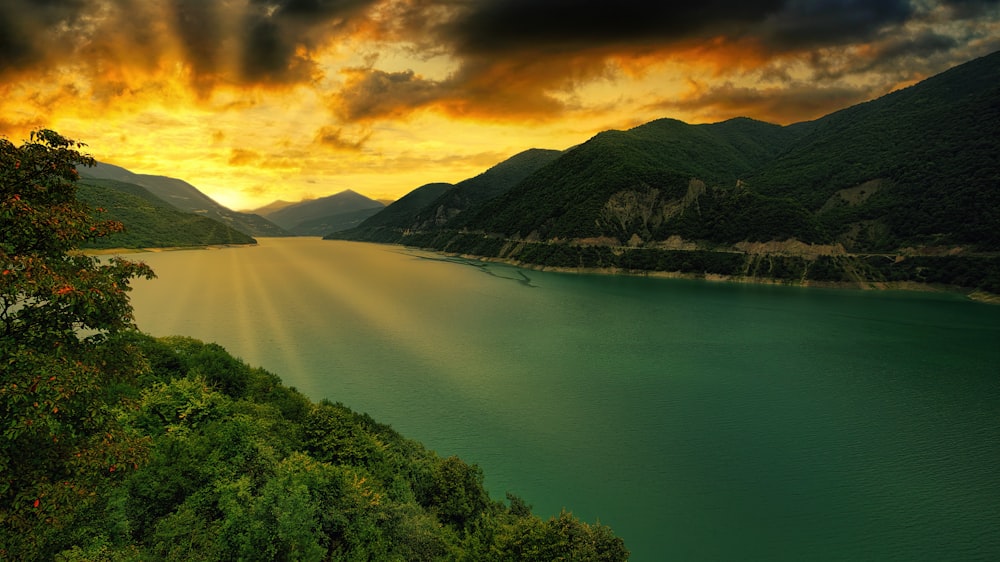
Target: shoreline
[[975, 295], [156, 250]]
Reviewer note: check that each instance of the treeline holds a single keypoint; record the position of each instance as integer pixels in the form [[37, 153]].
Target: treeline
[[224, 462], [970, 272]]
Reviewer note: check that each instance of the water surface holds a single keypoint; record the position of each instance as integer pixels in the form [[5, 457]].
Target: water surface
[[701, 421]]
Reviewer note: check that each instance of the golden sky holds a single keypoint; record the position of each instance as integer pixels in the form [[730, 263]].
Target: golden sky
[[257, 100]]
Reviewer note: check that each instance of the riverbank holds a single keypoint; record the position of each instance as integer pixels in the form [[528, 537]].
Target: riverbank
[[972, 294], [116, 251]]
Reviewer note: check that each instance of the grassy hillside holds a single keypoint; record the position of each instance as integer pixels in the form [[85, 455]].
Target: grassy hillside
[[187, 198], [149, 221]]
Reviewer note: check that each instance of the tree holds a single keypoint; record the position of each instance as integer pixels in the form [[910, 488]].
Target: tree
[[60, 357]]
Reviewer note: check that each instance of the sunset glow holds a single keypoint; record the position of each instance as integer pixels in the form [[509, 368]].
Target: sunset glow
[[257, 100]]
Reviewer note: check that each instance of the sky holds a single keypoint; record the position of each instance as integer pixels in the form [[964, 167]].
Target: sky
[[258, 100]]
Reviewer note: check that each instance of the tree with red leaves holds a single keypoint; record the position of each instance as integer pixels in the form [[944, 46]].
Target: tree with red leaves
[[61, 314]]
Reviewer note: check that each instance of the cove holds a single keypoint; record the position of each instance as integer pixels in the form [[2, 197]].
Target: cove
[[701, 421]]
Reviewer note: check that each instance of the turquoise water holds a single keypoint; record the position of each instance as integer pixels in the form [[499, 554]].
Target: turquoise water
[[701, 421]]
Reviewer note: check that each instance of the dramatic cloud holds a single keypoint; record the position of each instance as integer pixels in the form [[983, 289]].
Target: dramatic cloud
[[498, 26], [970, 8], [335, 139], [236, 89], [248, 41], [804, 24], [788, 104], [374, 94]]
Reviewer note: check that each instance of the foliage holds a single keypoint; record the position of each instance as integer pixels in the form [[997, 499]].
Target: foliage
[[231, 472], [62, 362], [119, 446]]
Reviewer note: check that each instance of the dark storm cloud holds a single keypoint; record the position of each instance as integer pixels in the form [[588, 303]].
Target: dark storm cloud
[[241, 41], [198, 25], [335, 139], [512, 59], [27, 27], [506, 25], [321, 9], [970, 8], [804, 24], [923, 45], [279, 35], [795, 102], [510, 25], [372, 94]]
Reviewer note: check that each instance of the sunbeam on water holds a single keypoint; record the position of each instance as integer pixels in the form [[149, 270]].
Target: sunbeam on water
[[700, 421]]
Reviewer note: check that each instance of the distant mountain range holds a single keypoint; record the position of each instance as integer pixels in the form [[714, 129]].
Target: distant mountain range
[[908, 176], [164, 213], [317, 217]]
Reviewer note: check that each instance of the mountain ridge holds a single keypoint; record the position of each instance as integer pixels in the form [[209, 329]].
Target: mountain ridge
[[185, 197], [149, 221], [914, 172], [323, 215]]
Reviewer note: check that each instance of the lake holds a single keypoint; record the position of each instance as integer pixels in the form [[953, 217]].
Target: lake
[[699, 420]]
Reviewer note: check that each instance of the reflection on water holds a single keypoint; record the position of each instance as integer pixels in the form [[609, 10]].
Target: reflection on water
[[701, 421]]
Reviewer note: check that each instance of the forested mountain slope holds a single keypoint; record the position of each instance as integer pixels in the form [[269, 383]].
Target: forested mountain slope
[[439, 205], [913, 173], [403, 211]]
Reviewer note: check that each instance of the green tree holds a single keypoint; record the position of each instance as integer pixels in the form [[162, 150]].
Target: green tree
[[60, 359]]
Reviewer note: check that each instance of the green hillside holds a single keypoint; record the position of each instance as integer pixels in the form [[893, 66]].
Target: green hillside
[[914, 174], [149, 221], [223, 462], [186, 198]]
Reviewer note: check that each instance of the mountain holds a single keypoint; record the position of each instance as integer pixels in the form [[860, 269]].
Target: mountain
[[909, 176], [270, 207], [316, 217], [436, 205], [149, 221], [185, 197], [404, 210], [474, 191], [334, 223]]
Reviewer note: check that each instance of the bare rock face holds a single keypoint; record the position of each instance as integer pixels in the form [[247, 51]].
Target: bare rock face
[[631, 210], [639, 212], [853, 196]]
